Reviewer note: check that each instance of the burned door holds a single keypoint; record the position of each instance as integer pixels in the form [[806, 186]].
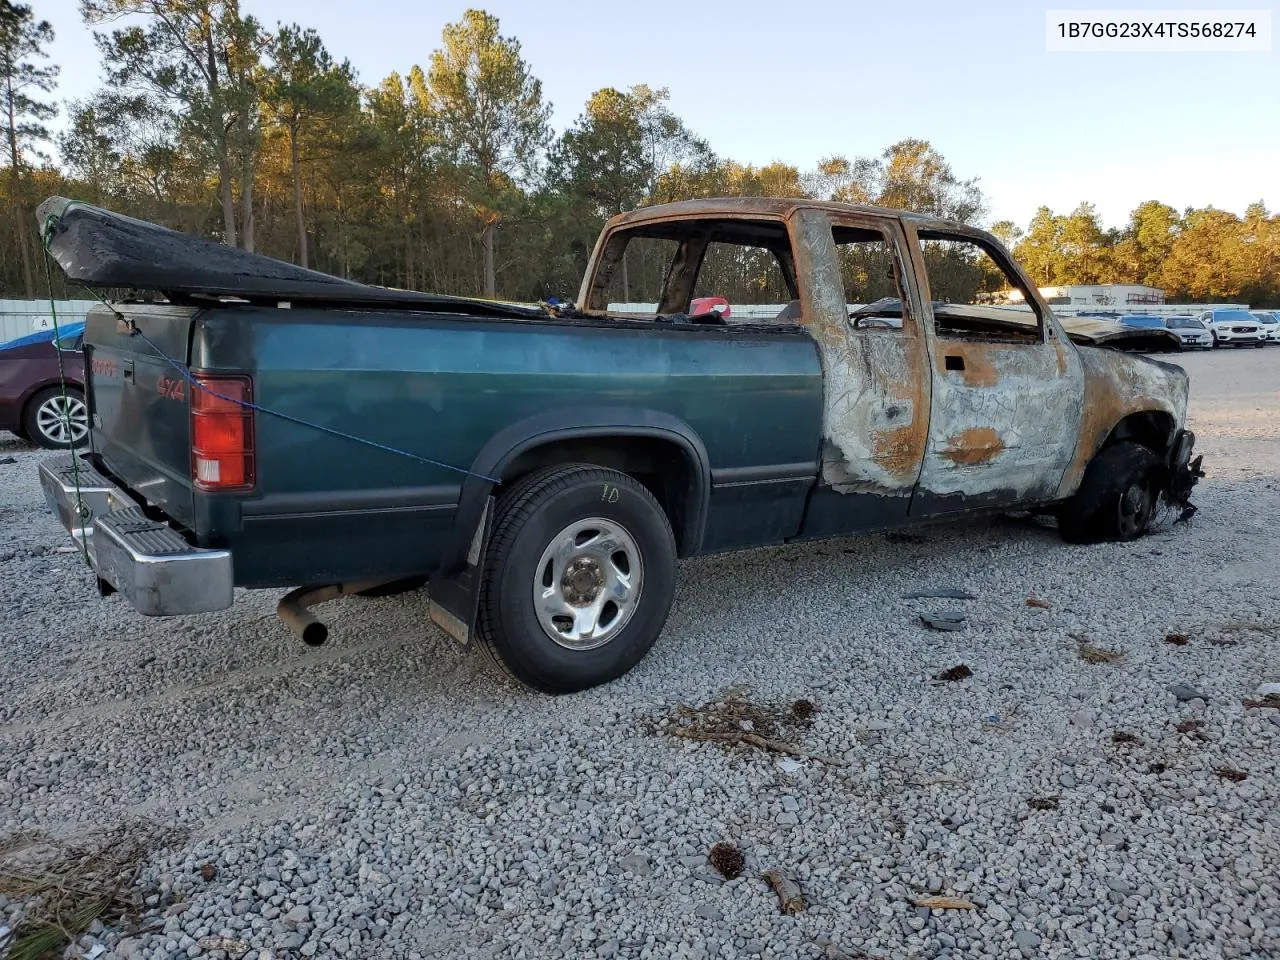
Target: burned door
[[860, 305], [1007, 386]]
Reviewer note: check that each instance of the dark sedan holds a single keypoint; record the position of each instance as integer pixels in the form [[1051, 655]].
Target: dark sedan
[[1144, 320], [32, 402]]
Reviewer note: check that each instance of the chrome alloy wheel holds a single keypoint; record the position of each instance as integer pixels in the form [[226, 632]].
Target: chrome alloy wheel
[[587, 585], [63, 420]]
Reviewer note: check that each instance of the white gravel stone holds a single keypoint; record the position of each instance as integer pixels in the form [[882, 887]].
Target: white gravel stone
[[386, 796]]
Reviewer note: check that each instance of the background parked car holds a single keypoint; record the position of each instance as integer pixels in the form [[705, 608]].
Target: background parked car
[[1147, 320], [1193, 334], [1235, 328], [31, 400], [1270, 324]]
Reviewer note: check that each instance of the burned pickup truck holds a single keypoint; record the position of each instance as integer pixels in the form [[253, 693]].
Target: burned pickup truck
[[258, 425]]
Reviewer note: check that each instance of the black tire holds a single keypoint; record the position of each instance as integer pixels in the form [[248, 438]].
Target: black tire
[[1116, 498], [529, 519], [41, 427]]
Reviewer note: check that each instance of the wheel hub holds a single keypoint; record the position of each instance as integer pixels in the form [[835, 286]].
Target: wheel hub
[[1135, 507], [582, 582], [1135, 498], [588, 583], [63, 420]]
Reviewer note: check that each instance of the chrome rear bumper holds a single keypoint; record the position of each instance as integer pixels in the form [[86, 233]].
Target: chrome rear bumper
[[147, 562]]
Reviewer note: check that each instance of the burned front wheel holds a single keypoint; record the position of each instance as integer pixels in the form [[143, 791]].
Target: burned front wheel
[[1117, 496], [578, 579]]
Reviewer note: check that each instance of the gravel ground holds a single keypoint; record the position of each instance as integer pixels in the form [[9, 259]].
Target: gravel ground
[[386, 796]]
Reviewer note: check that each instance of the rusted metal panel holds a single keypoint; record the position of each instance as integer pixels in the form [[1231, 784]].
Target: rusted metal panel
[[1004, 413], [1118, 385], [877, 412], [773, 207], [1007, 421], [974, 446], [875, 420], [752, 207]]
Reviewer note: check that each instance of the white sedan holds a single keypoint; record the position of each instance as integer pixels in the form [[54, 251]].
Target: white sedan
[[1270, 324], [1193, 334]]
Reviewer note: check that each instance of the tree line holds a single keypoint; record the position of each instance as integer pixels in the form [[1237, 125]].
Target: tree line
[[449, 177], [1199, 255]]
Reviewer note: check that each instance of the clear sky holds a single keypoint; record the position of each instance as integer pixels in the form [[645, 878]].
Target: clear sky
[[797, 80]]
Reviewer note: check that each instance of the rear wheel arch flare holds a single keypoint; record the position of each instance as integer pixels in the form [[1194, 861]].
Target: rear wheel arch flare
[[667, 467], [623, 433]]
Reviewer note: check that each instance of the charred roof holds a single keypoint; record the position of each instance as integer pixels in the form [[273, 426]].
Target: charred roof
[[782, 207]]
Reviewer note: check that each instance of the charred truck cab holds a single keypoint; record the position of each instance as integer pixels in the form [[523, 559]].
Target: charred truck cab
[[256, 425]]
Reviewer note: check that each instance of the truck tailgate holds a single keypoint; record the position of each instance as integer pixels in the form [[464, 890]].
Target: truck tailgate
[[139, 401]]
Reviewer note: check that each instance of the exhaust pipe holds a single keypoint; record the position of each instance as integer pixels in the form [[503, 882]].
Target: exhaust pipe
[[294, 613]]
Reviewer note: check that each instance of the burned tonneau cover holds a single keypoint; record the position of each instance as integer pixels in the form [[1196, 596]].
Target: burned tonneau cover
[[99, 248]]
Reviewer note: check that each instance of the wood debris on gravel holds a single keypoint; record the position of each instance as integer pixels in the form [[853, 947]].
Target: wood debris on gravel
[[735, 721]]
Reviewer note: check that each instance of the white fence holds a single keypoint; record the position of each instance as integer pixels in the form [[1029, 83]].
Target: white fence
[[1158, 310], [20, 317]]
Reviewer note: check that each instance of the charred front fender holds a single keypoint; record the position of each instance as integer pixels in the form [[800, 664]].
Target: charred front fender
[[1128, 397]]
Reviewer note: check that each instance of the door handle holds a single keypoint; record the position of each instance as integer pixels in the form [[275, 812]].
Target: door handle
[[954, 361]]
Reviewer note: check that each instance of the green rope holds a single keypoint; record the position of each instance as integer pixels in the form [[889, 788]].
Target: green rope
[[80, 511]]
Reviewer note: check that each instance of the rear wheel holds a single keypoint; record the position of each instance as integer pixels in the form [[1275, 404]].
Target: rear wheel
[[57, 422], [578, 579], [1117, 496]]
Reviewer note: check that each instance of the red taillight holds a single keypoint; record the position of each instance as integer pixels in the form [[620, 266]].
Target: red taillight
[[221, 433]]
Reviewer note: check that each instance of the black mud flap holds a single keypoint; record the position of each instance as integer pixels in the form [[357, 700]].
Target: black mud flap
[[455, 594]]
